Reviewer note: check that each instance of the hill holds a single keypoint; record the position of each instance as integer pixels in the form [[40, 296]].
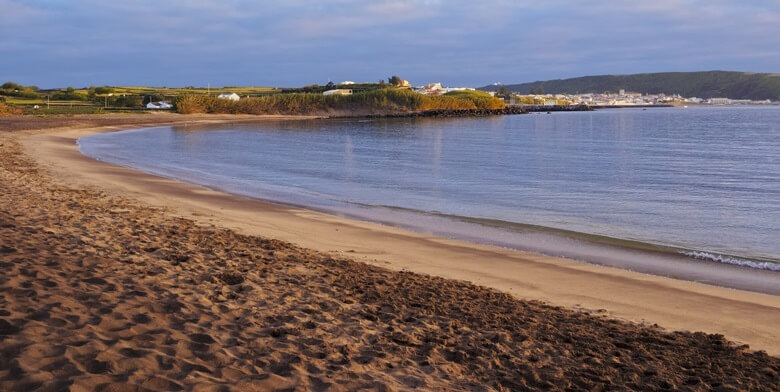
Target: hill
[[708, 84], [368, 102]]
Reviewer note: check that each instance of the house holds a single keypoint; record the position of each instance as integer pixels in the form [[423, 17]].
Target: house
[[230, 96], [159, 105], [338, 91], [431, 89]]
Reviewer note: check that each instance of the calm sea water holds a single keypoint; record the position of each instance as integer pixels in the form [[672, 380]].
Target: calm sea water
[[703, 181]]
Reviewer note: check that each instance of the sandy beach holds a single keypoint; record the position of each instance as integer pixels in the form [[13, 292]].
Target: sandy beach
[[117, 279]]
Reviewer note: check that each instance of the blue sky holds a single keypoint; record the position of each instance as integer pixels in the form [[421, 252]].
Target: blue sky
[[54, 43]]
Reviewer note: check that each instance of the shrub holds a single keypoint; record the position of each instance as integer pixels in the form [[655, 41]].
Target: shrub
[[68, 96], [127, 101], [389, 100], [11, 86], [6, 110], [481, 99]]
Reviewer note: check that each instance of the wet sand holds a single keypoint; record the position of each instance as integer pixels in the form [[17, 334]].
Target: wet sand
[[116, 277]]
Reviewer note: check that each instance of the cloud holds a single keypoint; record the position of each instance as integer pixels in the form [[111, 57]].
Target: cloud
[[296, 42], [346, 17], [15, 13]]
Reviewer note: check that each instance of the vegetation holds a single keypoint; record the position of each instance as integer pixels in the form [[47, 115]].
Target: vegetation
[[386, 100], [384, 97], [6, 110], [94, 99], [480, 99], [395, 80], [709, 84]]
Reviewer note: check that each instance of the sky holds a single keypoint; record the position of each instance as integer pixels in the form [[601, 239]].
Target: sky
[[59, 43]]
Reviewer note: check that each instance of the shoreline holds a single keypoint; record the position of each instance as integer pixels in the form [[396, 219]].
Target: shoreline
[[688, 264], [748, 317]]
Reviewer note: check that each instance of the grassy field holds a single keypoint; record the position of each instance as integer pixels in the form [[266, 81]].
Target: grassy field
[[366, 98], [174, 91], [23, 101]]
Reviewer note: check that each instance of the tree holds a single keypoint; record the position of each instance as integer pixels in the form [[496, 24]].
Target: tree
[[69, 89], [395, 80], [503, 92], [11, 86], [330, 84], [540, 90]]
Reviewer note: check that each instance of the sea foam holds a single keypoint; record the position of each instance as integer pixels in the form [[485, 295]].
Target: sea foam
[[764, 265]]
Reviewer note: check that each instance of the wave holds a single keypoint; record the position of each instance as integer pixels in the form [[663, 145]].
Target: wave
[[605, 240], [763, 265]]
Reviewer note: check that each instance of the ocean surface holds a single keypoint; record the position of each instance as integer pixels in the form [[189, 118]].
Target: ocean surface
[[698, 182]]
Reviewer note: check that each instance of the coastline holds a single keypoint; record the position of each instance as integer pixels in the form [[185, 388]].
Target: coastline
[[741, 316]]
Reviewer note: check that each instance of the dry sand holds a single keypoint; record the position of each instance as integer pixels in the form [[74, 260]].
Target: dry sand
[[112, 278]]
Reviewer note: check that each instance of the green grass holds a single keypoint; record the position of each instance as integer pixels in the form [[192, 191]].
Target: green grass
[[23, 101], [172, 91]]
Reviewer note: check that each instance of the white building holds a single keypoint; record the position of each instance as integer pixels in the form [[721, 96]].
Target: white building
[[431, 89], [338, 91], [230, 96], [347, 83]]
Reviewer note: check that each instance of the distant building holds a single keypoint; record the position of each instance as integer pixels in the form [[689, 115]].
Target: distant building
[[347, 83], [720, 101], [159, 105], [338, 91], [431, 89], [550, 102], [230, 96]]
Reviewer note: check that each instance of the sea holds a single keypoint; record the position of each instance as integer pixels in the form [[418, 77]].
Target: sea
[[702, 183]]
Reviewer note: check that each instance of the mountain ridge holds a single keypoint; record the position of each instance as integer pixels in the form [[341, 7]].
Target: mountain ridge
[[702, 84]]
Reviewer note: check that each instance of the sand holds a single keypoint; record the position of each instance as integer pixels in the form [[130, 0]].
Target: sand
[[114, 279]]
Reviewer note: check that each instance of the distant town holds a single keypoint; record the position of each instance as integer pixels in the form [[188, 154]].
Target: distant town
[[617, 99]]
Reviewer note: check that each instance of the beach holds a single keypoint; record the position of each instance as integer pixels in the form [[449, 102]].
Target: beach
[[117, 277]]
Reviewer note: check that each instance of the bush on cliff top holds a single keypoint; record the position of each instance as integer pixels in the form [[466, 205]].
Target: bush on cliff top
[[365, 102], [6, 110]]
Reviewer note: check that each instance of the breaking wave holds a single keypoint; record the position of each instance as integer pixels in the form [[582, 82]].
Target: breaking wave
[[764, 265]]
